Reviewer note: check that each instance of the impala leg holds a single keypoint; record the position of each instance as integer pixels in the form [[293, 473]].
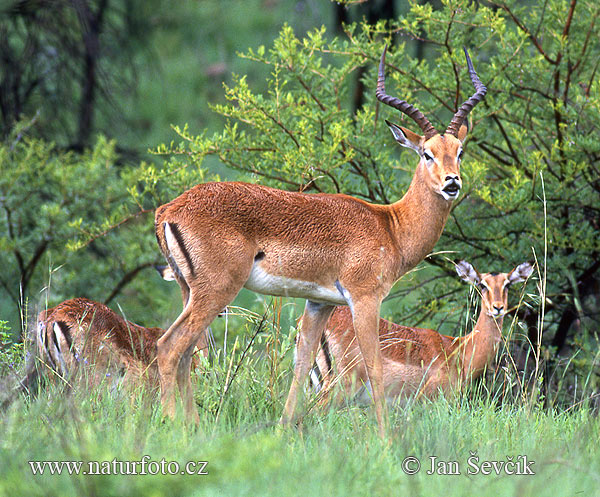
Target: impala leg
[[314, 320], [184, 381], [210, 274], [168, 357], [175, 347], [366, 326]]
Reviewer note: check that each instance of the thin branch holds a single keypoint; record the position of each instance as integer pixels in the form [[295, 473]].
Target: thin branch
[[126, 279], [525, 29], [116, 225]]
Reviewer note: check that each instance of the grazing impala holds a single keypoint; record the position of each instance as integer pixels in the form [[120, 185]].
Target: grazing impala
[[420, 360], [82, 336], [329, 249]]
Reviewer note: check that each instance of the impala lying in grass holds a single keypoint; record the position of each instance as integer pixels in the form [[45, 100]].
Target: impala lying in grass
[[419, 360], [86, 338]]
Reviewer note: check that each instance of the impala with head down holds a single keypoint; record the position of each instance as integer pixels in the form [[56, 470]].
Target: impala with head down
[[80, 336], [331, 249], [419, 360]]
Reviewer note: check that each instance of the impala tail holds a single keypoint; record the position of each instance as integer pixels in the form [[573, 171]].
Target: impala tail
[[165, 272]]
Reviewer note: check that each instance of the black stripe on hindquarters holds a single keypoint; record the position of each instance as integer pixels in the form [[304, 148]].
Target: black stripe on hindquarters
[[43, 337], [181, 244], [66, 331], [317, 371]]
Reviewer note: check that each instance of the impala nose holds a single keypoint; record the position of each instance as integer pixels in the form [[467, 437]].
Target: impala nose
[[451, 187], [498, 309]]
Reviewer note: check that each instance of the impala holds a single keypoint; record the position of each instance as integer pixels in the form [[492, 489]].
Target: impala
[[419, 360], [331, 249], [83, 336]]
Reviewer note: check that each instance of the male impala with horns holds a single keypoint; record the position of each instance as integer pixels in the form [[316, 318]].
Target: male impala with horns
[[331, 249]]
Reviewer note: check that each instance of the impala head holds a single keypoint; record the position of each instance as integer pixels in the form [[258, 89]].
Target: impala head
[[494, 286], [440, 154]]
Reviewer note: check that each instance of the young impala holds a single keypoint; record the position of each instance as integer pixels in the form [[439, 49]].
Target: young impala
[[420, 360], [86, 337], [329, 249]]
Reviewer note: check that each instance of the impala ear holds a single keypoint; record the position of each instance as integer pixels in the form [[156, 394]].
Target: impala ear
[[462, 132], [406, 137], [166, 272], [520, 273], [467, 272]]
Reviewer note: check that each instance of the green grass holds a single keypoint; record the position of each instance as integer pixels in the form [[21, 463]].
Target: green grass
[[334, 451]]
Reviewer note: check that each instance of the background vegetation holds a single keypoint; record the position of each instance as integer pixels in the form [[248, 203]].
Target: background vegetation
[[281, 92]]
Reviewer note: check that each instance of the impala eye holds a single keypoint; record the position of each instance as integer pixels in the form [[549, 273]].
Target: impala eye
[[460, 155], [427, 157]]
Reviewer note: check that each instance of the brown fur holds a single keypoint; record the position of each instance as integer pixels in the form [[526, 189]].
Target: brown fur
[[417, 360], [96, 343]]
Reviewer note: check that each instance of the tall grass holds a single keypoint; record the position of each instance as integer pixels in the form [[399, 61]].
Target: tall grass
[[331, 451]]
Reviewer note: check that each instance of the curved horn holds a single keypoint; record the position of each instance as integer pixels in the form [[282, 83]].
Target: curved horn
[[465, 108], [404, 107]]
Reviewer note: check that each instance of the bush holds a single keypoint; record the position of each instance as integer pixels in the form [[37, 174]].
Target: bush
[[47, 197]]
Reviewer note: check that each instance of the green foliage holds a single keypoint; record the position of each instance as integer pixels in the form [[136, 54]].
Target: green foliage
[[59, 59], [47, 197], [11, 353], [193, 50]]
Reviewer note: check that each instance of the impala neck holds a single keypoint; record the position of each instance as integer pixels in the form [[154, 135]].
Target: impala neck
[[418, 220], [480, 346]]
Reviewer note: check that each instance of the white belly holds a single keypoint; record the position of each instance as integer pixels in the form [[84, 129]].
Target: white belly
[[262, 282]]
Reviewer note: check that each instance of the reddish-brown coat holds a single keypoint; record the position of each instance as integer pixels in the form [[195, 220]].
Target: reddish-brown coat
[[103, 343], [216, 235]]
